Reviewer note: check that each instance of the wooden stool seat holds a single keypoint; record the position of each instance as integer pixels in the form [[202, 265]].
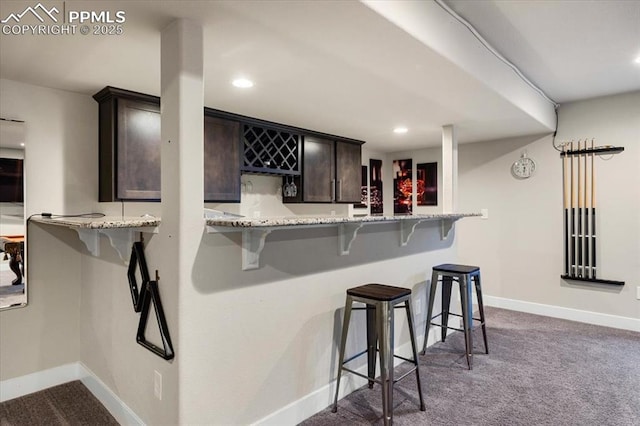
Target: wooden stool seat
[[380, 292], [456, 269]]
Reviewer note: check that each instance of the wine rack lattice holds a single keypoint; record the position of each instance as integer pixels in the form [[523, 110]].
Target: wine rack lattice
[[270, 151]]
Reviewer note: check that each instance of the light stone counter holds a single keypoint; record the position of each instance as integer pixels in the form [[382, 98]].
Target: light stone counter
[[276, 222], [120, 230], [104, 222]]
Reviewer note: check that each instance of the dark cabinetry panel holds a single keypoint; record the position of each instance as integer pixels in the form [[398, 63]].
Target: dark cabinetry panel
[[331, 172], [138, 150], [325, 170], [129, 145], [318, 172], [348, 172], [221, 159]]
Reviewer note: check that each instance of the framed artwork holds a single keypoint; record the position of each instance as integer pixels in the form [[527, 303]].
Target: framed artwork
[[375, 189], [364, 190], [427, 184], [402, 186]]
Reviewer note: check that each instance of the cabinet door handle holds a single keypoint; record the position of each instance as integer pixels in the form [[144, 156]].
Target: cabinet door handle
[[339, 190], [333, 189]]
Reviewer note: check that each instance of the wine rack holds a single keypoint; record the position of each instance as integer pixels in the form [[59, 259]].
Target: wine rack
[[268, 150]]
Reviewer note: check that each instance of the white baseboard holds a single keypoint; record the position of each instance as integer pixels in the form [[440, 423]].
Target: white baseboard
[[118, 409], [34, 382], [320, 399], [589, 317], [24, 385]]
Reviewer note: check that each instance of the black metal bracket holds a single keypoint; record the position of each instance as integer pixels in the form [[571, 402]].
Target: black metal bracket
[[142, 295], [597, 151], [592, 280]]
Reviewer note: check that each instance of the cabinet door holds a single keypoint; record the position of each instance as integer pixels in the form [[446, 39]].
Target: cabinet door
[[221, 160], [318, 170], [348, 172], [138, 150]]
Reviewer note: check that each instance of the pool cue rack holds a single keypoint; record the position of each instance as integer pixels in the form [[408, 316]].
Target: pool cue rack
[[579, 199]]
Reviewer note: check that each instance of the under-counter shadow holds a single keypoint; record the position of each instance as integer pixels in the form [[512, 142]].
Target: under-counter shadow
[[299, 252]]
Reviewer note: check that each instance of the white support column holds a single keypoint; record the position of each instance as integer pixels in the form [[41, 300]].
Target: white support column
[[182, 106], [449, 169]]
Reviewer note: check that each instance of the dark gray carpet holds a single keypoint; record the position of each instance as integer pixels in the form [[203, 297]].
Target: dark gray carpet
[[539, 371], [65, 405]]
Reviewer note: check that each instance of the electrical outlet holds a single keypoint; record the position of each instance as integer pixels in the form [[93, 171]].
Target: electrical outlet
[[418, 306], [157, 384], [256, 214], [484, 213], [638, 292]]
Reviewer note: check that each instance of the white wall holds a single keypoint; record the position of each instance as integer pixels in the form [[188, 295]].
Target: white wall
[[260, 340], [79, 306], [45, 334], [520, 246]]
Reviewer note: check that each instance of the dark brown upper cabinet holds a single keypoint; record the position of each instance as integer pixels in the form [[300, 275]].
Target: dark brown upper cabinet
[[348, 172], [318, 173], [326, 168], [221, 159], [331, 172], [129, 145]]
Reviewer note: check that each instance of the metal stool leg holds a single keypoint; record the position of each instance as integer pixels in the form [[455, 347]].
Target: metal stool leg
[[447, 282], [385, 333], [481, 309], [467, 318], [432, 296], [343, 344], [372, 343], [414, 348]]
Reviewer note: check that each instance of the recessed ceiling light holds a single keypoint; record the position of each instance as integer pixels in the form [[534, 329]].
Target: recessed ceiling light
[[21, 143], [400, 130], [243, 83], [637, 60]]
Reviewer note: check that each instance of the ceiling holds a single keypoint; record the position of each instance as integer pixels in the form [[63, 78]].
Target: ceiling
[[351, 68]]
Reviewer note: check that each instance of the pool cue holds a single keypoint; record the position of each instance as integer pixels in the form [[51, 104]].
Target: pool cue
[[586, 268], [580, 205], [565, 202], [573, 220], [593, 213]]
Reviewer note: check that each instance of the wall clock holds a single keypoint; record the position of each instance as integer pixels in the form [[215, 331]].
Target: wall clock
[[524, 167]]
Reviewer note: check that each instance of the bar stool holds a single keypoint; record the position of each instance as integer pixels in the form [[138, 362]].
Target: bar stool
[[463, 274], [380, 301]]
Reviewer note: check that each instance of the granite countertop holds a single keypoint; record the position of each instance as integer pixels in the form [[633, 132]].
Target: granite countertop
[[243, 222], [114, 222], [106, 222]]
